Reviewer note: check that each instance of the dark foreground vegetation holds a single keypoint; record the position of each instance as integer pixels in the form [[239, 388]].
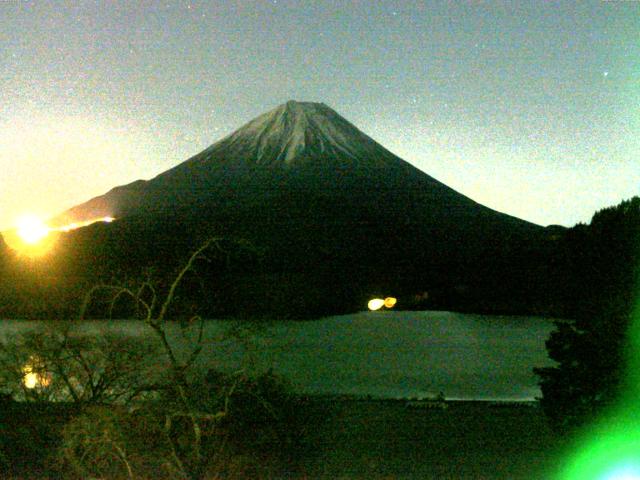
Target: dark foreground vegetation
[[349, 439], [78, 405], [256, 434]]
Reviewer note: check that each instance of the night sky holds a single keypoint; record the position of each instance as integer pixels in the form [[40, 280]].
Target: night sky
[[531, 108]]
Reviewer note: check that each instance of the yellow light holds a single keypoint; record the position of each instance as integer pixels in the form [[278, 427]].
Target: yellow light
[[32, 379], [390, 302], [31, 229], [375, 304], [33, 238]]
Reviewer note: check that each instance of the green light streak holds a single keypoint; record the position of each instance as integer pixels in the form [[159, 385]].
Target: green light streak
[[610, 449], [609, 452]]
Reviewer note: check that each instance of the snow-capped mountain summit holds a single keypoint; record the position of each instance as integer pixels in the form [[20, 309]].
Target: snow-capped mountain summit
[[299, 130]]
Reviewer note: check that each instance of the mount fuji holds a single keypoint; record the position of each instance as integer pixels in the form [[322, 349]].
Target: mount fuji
[[333, 212], [296, 147]]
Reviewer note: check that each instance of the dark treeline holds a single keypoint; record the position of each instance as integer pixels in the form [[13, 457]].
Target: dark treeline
[[597, 264], [270, 265], [598, 282]]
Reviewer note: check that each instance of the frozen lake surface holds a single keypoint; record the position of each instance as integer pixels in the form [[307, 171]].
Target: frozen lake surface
[[383, 354]]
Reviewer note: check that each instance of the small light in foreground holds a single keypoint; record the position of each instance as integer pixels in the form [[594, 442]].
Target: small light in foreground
[[31, 229], [32, 379], [390, 302], [375, 304]]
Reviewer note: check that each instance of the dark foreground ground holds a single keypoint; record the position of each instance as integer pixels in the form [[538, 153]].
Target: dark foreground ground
[[375, 439], [467, 440]]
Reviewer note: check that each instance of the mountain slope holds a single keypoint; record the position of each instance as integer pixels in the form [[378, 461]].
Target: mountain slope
[[296, 147], [332, 213]]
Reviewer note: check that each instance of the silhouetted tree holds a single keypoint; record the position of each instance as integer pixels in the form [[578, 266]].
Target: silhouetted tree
[[57, 361], [191, 413]]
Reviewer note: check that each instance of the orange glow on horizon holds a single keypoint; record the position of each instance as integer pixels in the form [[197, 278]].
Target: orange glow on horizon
[[33, 237], [31, 229]]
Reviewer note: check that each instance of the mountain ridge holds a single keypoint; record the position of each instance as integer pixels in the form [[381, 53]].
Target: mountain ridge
[[297, 145]]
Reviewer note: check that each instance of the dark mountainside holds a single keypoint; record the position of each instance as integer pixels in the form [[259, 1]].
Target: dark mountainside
[[332, 216]]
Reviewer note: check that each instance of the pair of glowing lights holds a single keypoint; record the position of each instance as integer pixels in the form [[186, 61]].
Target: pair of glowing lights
[[378, 303]]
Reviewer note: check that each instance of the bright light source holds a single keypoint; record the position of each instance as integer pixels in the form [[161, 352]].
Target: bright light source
[[31, 378], [390, 302], [31, 229], [375, 304], [33, 238], [624, 472]]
